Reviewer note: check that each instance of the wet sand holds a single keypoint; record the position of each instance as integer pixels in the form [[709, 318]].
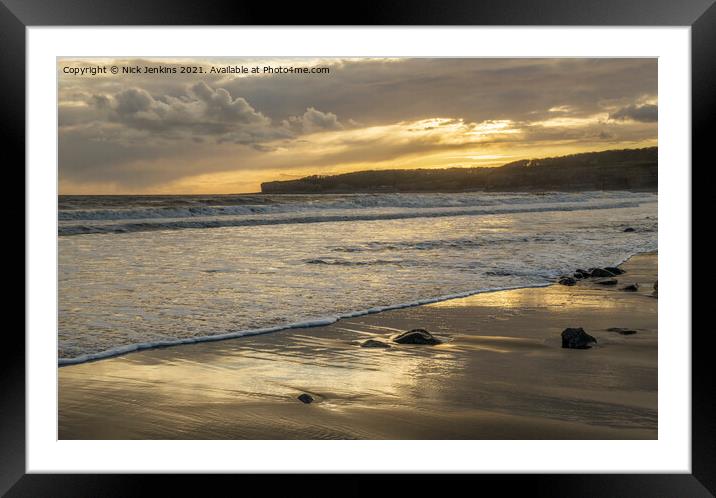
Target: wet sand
[[499, 374]]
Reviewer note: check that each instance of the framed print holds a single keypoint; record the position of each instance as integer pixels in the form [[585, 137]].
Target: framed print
[[442, 239]]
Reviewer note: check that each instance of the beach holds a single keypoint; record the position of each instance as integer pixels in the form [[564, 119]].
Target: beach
[[499, 373], [137, 272]]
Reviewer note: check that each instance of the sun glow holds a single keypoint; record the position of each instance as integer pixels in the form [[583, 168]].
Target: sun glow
[[229, 133]]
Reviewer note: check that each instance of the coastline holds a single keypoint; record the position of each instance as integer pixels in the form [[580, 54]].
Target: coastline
[[499, 374], [318, 322]]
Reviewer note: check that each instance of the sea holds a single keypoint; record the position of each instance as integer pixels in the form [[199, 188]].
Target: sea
[[137, 272]]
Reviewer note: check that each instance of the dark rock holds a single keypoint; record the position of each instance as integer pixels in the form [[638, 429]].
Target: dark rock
[[656, 289], [629, 229], [601, 272], [631, 287], [622, 331], [372, 343], [577, 338], [580, 274], [567, 281], [306, 398], [416, 336], [615, 270], [609, 281]]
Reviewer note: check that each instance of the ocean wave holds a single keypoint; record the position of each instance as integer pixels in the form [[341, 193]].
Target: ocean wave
[[161, 212], [97, 208], [317, 322], [345, 262], [321, 321], [357, 215], [119, 294], [457, 243]]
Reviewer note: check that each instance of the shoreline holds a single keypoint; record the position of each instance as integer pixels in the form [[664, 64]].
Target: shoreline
[[317, 322], [500, 373]]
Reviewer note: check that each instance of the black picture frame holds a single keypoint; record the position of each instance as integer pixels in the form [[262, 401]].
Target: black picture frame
[[16, 15]]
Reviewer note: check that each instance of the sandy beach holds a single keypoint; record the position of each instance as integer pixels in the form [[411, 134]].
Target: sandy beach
[[500, 373]]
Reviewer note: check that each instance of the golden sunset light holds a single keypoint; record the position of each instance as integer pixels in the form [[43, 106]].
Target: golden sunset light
[[358, 248], [227, 132]]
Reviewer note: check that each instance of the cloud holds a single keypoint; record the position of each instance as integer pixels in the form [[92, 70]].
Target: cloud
[[375, 91], [201, 113], [314, 120], [131, 101], [221, 106], [647, 113], [148, 132]]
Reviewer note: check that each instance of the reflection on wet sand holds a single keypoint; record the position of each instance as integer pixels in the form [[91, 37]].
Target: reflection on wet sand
[[499, 373]]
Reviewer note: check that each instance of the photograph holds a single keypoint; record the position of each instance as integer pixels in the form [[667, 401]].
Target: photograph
[[372, 248], [442, 238]]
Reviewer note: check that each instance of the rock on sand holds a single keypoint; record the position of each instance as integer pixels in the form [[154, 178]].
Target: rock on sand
[[416, 336], [372, 343], [608, 281], [614, 270], [601, 272], [577, 338], [622, 330], [306, 398]]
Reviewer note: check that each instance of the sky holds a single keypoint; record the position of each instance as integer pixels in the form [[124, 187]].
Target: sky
[[223, 131]]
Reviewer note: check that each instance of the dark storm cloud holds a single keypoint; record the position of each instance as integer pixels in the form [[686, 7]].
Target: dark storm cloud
[[646, 113]]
